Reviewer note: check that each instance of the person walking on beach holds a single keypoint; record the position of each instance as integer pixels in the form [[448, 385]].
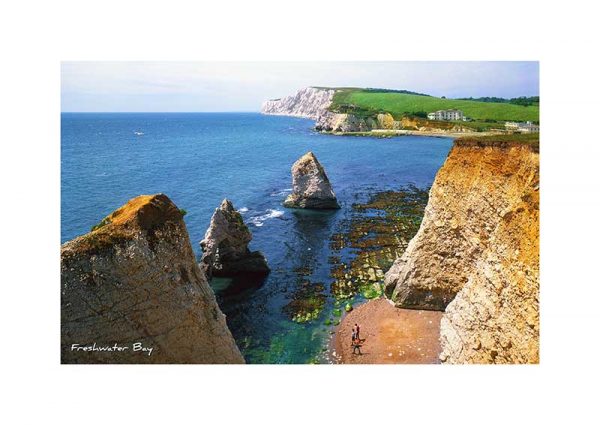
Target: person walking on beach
[[357, 330], [356, 346], [353, 337]]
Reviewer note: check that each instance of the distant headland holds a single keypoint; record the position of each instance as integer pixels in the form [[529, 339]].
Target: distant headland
[[385, 113]]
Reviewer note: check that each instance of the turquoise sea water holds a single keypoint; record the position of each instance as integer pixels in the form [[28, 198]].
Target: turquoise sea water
[[198, 159]]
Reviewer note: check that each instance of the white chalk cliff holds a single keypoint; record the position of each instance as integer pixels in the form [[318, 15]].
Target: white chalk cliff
[[309, 102]]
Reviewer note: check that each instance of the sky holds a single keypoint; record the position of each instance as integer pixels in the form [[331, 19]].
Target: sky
[[243, 86]]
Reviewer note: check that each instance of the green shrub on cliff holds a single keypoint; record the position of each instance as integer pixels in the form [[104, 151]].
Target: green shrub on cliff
[[102, 223]]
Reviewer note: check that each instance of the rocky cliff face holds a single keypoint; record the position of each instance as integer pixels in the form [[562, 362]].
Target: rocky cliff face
[[225, 246], [495, 317], [310, 185], [133, 283], [309, 102], [348, 123], [476, 185], [421, 124], [478, 239], [313, 103]]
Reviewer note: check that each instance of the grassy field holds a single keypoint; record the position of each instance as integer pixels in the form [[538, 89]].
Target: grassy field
[[399, 104]]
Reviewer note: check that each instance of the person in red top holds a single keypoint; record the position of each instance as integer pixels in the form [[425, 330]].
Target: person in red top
[[357, 328]]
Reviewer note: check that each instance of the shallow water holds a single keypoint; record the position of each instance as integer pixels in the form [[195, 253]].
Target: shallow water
[[199, 159]]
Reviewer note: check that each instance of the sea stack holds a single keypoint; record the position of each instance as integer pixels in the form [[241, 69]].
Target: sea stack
[[310, 186], [132, 292], [225, 246]]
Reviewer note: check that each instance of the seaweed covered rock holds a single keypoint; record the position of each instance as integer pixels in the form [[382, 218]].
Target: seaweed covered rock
[[225, 246], [131, 292], [310, 185]]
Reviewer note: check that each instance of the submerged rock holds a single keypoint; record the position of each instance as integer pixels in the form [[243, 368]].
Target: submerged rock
[[310, 185], [376, 233], [133, 282], [225, 246]]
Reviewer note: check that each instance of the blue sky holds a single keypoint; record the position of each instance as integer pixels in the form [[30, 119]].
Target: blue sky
[[243, 86]]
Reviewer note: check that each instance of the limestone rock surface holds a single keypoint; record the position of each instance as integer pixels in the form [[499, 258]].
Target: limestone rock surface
[[225, 246], [309, 102], [134, 279], [495, 317], [350, 123], [310, 185], [476, 255], [471, 192]]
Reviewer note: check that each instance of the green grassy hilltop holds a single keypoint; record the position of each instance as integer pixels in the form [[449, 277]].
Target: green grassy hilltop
[[399, 103]]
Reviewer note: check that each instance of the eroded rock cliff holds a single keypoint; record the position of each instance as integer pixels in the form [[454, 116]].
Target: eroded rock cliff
[[350, 123], [134, 280], [479, 239], [472, 190], [421, 124], [225, 246], [495, 317], [310, 185], [309, 102]]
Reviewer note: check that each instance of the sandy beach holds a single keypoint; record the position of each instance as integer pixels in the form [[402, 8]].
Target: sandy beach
[[434, 133], [395, 133], [390, 335]]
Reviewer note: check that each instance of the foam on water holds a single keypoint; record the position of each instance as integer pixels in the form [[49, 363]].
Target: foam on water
[[259, 220], [283, 192]]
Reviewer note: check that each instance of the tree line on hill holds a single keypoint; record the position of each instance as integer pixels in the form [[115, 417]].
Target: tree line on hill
[[523, 100], [377, 90]]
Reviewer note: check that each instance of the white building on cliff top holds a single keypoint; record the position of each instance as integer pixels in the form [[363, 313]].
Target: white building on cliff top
[[523, 127], [446, 115]]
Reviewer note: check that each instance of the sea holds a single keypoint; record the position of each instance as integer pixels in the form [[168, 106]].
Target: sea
[[198, 159]]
